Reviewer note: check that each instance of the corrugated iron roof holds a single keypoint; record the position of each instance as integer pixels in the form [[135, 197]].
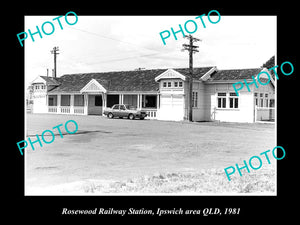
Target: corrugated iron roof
[[136, 80], [140, 80], [234, 74]]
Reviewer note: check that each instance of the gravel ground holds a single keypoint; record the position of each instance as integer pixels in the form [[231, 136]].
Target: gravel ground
[[144, 156]]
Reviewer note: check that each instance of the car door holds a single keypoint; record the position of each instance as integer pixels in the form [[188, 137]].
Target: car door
[[116, 110], [123, 112]]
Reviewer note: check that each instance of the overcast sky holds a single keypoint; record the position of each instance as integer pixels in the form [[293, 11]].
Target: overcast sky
[[114, 43]]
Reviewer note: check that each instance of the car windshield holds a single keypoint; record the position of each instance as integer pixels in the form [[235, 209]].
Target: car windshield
[[130, 107]]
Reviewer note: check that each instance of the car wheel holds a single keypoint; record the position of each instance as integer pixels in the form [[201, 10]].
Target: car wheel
[[142, 118], [131, 116], [110, 115]]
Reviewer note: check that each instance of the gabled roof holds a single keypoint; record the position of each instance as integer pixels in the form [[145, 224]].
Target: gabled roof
[[136, 80], [234, 74], [197, 72], [142, 80], [50, 80]]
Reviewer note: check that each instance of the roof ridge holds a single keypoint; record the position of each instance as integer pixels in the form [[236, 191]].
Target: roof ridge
[[241, 69]]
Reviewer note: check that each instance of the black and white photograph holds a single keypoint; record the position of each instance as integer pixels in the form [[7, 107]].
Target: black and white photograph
[[150, 105], [184, 112]]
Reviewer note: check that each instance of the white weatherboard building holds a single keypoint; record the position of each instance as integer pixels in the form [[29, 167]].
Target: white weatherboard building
[[162, 93]]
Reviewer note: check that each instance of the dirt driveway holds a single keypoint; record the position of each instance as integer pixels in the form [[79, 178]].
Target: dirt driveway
[[105, 149]]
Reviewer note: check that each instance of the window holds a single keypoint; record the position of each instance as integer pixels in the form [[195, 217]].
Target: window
[[261, 95], [233, 100], [98, 100], [221, 100], [65, 100], [266, 100], [122, 107], [256, 98], [261, 102], [164, 84], [169, 84], [116, 107], [78, 100], [52, 100], [195, 99], [175, 84], [180, 84]]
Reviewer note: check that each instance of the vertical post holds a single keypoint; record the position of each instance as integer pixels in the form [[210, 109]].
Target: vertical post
[[191, 82], [55, 52], [85, 100], [138, 102], [58, 103], [72, 104], [191, 48], [141, 101]]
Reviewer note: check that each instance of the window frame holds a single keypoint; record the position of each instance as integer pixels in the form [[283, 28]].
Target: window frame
[[234, 99], [222, 100], [195, 99]]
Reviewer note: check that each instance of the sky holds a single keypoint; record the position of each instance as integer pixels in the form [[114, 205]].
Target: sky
[[116, 43]]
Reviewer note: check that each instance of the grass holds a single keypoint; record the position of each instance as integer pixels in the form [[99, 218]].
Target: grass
[[209, 181]]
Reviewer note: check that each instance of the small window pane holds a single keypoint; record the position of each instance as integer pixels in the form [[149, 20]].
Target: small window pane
[[231, 102], [219, 102], [221, 94], [236, 103], [224, 103]]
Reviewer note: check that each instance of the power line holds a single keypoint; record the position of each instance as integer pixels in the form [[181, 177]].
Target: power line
[[110, 38]]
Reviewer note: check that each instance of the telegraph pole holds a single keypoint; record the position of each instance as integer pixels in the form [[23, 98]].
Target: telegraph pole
[[192, 49], [55, 52]]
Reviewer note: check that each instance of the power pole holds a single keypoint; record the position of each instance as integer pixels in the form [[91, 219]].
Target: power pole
[[192, 49], [55, 52]]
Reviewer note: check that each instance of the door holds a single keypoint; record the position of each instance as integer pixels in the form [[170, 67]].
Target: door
[[171, 107], [116, 110], [95, 104]]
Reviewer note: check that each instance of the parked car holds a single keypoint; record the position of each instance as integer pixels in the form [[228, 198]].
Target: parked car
[[124, 110]]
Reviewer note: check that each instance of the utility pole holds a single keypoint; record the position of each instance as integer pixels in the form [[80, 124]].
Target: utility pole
[[55, 52], [192, 49]]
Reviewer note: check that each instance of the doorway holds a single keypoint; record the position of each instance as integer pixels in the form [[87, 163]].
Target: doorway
[[95, 105]]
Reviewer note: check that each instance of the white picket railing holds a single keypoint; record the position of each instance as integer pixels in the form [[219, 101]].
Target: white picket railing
[[151, 113]]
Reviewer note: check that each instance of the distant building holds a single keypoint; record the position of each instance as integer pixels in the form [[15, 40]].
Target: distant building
[[163, 93]]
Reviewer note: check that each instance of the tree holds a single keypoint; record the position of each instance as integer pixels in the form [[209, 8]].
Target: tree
[[270, 63]]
